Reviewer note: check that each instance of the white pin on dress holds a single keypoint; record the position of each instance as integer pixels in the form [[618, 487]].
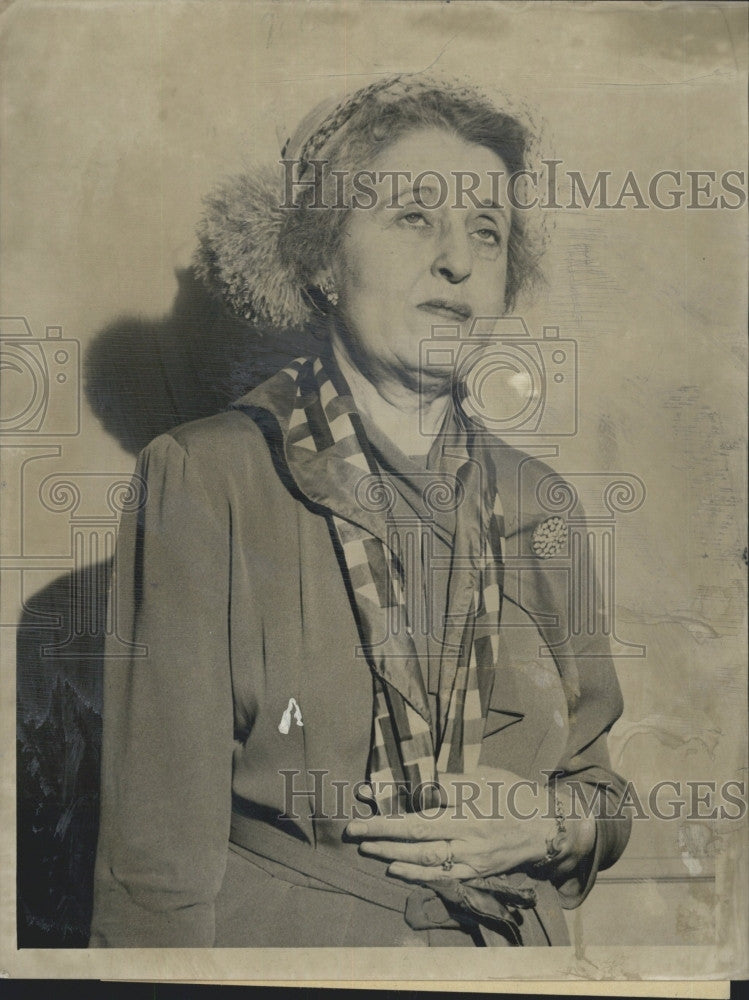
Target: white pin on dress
[[285, 724]]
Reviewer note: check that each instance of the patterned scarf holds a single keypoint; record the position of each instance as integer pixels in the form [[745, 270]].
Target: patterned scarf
[[409, 749]]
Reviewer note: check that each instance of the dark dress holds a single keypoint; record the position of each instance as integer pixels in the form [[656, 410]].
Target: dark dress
[[228, 584]]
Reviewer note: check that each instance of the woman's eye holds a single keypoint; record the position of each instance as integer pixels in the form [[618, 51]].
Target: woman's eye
[[488, 236], [414, 219]]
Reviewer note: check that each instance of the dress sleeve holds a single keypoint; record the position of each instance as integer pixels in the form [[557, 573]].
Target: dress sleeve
[[597, 784], [585, 767], [167, 716], [595, 703]]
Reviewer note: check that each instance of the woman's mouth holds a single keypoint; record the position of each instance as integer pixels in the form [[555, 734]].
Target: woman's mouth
[[454, 311]]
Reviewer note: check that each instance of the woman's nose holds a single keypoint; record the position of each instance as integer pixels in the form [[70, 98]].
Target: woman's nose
[[453, 260]]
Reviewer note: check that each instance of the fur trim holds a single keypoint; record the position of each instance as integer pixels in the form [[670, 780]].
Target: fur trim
[[257, 257], [240, 257]]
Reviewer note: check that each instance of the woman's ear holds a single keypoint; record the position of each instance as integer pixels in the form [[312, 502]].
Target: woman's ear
[[317, 279], [324, 275]]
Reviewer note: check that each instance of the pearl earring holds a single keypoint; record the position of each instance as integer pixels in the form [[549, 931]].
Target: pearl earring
[[327, 287]]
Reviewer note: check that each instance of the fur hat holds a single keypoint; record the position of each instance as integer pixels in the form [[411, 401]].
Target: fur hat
[[252, 252], [240, 251]]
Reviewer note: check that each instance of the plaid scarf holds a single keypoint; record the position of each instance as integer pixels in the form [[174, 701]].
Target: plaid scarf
[[409, 749]]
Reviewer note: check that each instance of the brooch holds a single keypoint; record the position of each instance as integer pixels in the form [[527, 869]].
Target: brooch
[[549, 538]]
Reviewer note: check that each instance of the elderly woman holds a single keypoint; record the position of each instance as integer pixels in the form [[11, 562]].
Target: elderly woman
[[337, 699]]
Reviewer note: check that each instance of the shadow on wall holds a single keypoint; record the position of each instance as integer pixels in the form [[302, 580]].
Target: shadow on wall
[[142, 377]]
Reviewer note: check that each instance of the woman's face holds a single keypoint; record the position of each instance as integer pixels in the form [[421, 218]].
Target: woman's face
[[404, 268]]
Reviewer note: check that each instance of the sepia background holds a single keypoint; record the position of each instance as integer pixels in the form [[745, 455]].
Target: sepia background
[[117, 118]]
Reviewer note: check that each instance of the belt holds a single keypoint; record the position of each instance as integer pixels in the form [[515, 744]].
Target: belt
[[260, 838], [491, 903]]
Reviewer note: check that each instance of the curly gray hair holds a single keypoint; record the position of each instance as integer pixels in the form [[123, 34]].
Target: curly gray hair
[[260, 254]]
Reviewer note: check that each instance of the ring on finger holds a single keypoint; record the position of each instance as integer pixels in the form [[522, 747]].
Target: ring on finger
[[447, 864]]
